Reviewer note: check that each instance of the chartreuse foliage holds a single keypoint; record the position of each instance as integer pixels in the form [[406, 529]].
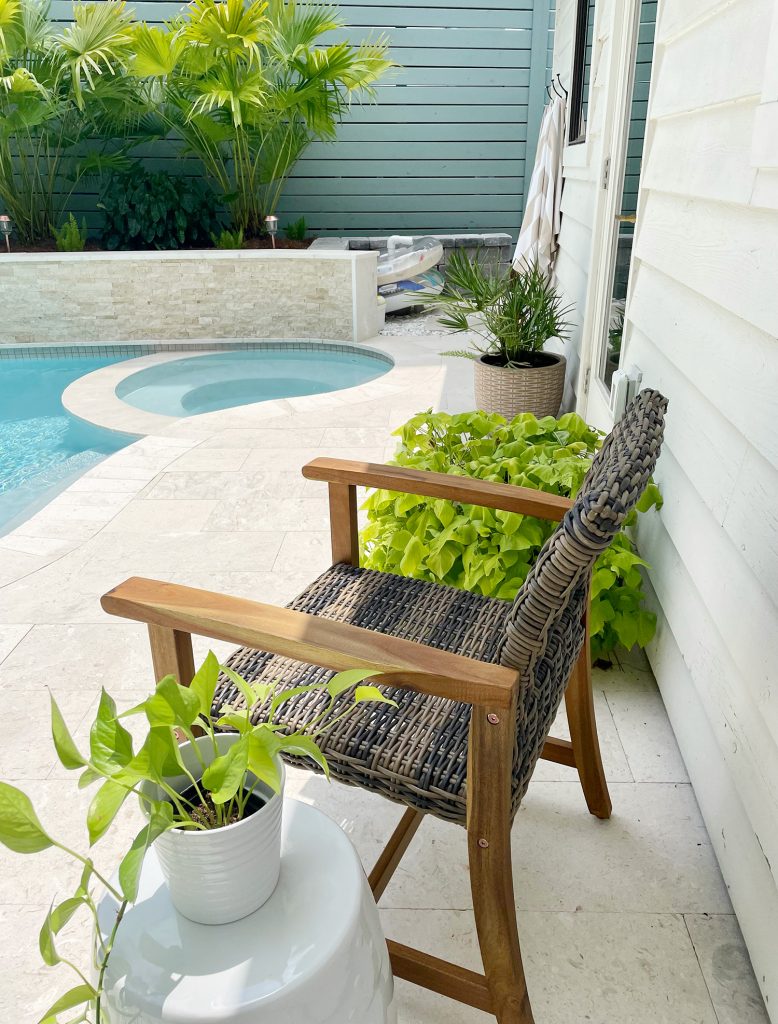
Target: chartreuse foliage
[[222, 787], [489, 551], [70, 237]]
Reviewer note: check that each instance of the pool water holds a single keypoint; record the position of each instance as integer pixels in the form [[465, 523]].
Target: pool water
[[185, 387], [42, 447]]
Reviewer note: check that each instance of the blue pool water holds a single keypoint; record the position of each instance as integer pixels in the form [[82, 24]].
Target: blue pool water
[[199, 384], [42, 447]]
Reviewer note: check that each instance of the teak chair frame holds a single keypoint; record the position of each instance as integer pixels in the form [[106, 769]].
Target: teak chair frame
[[174, 613]]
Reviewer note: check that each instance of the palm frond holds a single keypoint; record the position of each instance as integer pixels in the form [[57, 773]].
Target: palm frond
[[230, 89], [228, 27], [297, 28], [98, 42], [156, 51], [21, 81], [10, 22]]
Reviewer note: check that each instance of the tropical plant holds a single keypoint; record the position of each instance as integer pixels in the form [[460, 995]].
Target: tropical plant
[[61, 91], [220, 791], [70, 237], [296, 230], [249, 85], [488, 551], [227, 239], [512, 315], [145, 210]]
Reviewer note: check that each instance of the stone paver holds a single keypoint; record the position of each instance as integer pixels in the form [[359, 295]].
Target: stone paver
[[622, 922]]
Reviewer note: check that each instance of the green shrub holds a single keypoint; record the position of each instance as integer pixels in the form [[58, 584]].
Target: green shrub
[[156, 211], [227, 239], [68, 109], [296, 230], [248, 86], [488, 551], [71, 238]]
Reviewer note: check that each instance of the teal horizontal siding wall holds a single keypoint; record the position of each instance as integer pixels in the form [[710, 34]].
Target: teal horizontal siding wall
[[449, 144]]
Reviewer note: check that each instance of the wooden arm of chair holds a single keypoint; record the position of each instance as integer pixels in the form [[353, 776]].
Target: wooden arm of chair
[[180, 611], [467, 489]]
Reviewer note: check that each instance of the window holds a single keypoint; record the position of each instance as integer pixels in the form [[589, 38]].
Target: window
[[582, 71]]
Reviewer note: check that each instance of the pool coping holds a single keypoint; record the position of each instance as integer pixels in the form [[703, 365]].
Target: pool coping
[[93, 397]]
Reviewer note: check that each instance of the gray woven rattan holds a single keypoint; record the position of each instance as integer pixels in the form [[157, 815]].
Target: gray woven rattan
[[416, 753]]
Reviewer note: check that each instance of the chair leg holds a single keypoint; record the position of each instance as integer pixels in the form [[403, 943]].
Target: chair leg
[[490, 756], [579, 702]]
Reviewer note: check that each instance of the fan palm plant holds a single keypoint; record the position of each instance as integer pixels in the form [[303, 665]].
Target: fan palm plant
[[248, 86], [59, 90]]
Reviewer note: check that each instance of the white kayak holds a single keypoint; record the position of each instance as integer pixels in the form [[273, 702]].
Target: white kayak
[[404, 294], [405, 259]]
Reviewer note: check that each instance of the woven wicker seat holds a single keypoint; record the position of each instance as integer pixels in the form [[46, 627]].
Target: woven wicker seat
[[414, 753], [478, 682]]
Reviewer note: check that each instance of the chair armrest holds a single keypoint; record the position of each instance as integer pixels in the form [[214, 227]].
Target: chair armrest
[[312, 639], [467, 489]]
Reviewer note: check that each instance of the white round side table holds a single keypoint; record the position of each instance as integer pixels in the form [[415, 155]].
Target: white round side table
[[313, 954]]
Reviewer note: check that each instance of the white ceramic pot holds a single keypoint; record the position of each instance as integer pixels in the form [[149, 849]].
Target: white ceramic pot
[[223, 874]]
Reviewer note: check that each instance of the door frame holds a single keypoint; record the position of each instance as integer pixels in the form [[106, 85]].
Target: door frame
[[607, 169]]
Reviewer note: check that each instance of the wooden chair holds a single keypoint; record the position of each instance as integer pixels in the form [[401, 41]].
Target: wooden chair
[[477, 681]]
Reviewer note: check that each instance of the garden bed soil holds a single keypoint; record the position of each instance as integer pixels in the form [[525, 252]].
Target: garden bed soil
[[91, 246]]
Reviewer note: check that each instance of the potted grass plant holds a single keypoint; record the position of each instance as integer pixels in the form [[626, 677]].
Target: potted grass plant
[[212, 805], [511, 317]]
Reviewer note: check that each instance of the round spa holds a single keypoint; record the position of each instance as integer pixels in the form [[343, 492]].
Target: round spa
[[221, 380]]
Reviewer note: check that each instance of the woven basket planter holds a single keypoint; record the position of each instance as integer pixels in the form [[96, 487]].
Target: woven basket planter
[[510, 390]]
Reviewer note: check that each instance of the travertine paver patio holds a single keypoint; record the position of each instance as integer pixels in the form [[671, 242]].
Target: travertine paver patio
[[622, 922]]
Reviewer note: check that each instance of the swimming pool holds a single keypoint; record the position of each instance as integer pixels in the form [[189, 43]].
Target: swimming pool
[[42, 447], [198, 384]]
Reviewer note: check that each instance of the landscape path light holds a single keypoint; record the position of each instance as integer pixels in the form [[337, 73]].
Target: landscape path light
[[271, 224], [6, 227]]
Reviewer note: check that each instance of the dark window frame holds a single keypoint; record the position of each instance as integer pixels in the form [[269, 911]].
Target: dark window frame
[[577, 128]]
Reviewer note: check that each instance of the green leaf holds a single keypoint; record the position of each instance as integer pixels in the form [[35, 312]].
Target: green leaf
[[172, 704], [20, 829], [63, 912], [159, 758], [303, 746], [160, 820], [204, 683], [103, 809], [602, 579], [371, 693], [48, 949], [412, 557], [263, 745], [225, 774], [342, 681], [73, 997], [67, 751], [87, 777], [601, 611], [285, 695], [109, 742], [646, 627], [243, 687]]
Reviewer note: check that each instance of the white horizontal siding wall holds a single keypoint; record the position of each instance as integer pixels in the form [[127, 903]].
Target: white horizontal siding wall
[[701, 323]]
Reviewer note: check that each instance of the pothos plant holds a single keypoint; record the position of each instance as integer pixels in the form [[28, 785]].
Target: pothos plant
[[489, 551], [219, 793]]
